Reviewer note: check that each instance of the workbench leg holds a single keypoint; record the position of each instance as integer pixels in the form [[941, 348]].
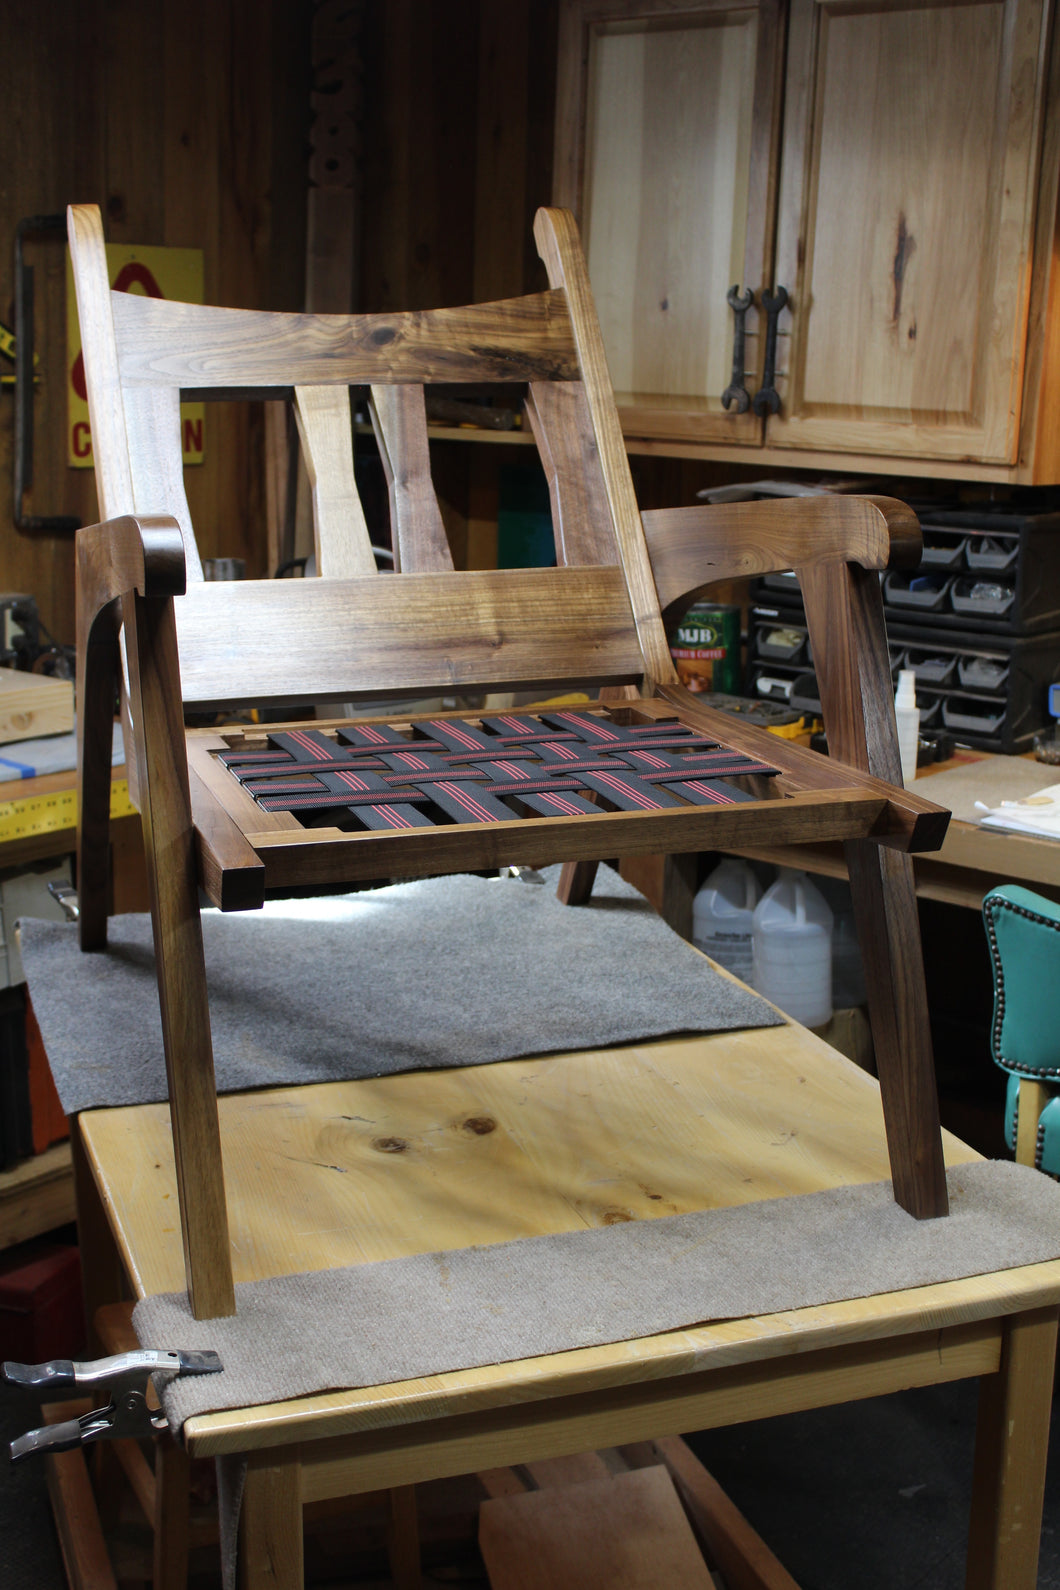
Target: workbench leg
[[172, 1510], [403, 1539], [102, 1276], [270, 1528], [1011, 1445]]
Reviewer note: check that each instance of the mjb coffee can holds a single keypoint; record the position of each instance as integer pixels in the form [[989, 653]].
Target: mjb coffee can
[[706, 648]]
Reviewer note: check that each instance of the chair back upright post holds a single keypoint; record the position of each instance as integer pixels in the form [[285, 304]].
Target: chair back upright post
[[162, 783]]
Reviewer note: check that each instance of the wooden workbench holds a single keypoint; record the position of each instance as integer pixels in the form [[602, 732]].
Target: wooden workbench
[[576, 1140], [973, 860]]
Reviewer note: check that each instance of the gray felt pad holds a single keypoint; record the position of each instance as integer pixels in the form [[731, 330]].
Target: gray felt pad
[[400, 1319], [442, 972]]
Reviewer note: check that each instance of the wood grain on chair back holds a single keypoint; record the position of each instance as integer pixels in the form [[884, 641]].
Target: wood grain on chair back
[[328, 640]]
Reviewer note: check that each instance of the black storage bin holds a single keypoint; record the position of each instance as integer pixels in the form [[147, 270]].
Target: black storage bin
[[977, 596], [992, 567], [943, 549], [926, 590], [769, 681], [1016, 551], [991, 691], [806, 695], [780, 639], [933, 665]]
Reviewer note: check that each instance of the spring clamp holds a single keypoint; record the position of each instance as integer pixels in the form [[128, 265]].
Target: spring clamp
[[125, 1376]]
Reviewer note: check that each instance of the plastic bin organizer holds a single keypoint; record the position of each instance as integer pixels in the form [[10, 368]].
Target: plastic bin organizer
[[987, 690], [993, 568]]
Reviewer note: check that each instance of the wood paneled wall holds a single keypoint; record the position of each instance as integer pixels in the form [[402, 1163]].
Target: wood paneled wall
[[187, 122], [459, 105], [457, 156]]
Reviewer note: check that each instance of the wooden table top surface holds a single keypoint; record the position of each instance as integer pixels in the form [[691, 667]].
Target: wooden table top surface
[[342, 1173]]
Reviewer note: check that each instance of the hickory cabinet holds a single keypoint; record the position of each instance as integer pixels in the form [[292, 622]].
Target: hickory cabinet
[[888, 168]]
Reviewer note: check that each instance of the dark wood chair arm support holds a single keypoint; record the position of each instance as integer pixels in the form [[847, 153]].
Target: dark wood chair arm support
[[138, 552], [695, 547], [903, 530], [136, 555]]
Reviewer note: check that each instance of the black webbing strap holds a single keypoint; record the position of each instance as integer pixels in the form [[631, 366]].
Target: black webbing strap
[[465, 771]]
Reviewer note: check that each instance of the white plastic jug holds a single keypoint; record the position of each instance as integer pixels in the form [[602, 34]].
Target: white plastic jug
[[848, 971], [721, 916], [792, 935]]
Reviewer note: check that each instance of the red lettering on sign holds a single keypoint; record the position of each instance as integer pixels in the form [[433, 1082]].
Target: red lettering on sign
[[193, 435], [81, 440]]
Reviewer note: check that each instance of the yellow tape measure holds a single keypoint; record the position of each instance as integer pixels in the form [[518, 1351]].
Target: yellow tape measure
[[46, 814]]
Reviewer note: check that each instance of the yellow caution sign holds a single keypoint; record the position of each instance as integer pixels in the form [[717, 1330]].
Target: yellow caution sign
[[154, 273]]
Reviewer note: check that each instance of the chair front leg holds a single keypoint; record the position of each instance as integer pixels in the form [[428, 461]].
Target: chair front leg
[[881, 883], [165, 810], [844, 613]]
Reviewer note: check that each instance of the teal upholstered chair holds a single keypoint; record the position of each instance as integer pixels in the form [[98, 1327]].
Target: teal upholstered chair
[[1023, 932]]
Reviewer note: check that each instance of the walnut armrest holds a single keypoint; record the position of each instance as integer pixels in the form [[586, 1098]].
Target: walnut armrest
[[120, 563], [837, 546], [138, 552], [692, 548]]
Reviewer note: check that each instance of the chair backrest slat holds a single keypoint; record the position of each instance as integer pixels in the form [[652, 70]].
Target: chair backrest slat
[[333, 639], [152, 428], [560, 249], [399, 418], [343, 547], [581, 517], [197, 346]]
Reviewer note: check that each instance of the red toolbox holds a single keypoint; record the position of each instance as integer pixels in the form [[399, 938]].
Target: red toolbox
[[41, 1312]]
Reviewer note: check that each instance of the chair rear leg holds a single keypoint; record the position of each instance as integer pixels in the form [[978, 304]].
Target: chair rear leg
[[881, 882]]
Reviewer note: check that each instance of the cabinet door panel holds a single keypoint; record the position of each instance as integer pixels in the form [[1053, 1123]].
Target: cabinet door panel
[[666, 149], [906, 225]]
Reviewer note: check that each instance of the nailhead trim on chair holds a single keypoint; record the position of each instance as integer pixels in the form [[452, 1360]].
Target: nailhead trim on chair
[[990, 907]]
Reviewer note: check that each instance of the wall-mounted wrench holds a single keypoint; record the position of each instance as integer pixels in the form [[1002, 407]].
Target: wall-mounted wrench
[[736, 393], [767, 398]]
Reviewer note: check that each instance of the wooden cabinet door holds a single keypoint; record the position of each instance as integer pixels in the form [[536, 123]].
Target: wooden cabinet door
[[667, 135], [908, 177]]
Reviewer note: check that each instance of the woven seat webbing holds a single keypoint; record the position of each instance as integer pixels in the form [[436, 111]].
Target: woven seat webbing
[[490, 769]]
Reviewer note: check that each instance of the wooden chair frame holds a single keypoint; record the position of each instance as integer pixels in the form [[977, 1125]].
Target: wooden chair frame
[[599, 616]]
